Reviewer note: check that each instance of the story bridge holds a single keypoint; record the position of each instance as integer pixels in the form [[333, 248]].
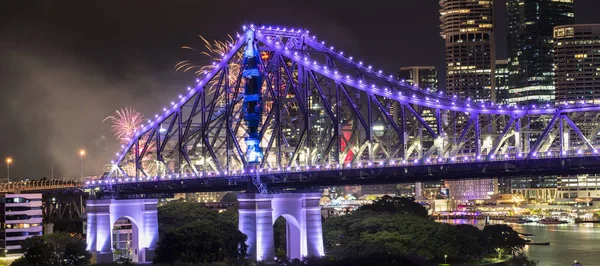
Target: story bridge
[[283, 112]]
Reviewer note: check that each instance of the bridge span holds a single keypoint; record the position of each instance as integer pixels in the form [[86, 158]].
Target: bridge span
[[283, 112]]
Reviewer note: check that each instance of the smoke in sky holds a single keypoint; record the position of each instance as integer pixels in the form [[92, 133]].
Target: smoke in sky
[[53, 104]]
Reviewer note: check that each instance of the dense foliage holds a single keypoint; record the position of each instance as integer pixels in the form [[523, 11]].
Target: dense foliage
[[54, 250], [191, 233], [399, 227], [399, 205], [502, 239]]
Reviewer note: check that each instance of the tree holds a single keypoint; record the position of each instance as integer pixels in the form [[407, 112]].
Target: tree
[[191, 233], [502, 238], [202, 241], [401, 205], [520, 259], [364, 233], [230, 197], [54, 249], [279, 235], [473, 243]]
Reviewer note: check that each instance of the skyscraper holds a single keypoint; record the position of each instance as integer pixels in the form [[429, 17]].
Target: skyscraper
[[470, 68], [470, 55], [577, 63], [577, 70], [424, 77], [530, 47], [502, 81]]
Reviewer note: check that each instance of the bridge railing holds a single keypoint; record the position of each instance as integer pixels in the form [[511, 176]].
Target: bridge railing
[[41, 185], [412, 162]]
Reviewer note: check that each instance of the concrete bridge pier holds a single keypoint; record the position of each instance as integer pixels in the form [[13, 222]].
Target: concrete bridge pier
[[101, 218], [302, 212]]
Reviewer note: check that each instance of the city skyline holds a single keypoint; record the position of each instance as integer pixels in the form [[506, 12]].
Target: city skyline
[[68, 67], [530, 47]]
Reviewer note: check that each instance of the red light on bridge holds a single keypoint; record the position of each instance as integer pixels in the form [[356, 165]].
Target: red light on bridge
[[264, 55]]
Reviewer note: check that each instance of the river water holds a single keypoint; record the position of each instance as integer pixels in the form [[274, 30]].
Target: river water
[[568, 242]]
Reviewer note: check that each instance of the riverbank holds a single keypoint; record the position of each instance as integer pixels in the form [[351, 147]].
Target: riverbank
[[568, 242]]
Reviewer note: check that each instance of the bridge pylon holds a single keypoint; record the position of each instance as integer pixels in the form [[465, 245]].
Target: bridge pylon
[[302, 213]]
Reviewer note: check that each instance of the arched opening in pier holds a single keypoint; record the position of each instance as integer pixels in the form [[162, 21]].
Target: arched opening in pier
[[286, 233], [125, 244]]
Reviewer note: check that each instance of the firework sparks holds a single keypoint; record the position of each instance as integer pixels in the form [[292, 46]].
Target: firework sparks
[[124, 123], [213, 51]]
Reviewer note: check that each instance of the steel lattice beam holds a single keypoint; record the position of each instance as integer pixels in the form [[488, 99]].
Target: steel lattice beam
[[324, 109]]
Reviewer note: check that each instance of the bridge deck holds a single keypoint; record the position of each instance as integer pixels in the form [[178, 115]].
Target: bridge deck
[[369, 175]]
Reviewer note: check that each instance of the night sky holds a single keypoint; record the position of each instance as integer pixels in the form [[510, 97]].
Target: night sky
[[66, 65]]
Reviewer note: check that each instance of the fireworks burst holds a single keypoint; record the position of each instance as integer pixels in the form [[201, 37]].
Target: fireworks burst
[[213, 51], [124, 123]]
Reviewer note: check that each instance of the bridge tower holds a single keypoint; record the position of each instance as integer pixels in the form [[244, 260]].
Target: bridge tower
[[101, 217], [302, 212], [258, 212]]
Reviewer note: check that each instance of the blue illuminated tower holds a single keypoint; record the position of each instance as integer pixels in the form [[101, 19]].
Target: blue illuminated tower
[[252, 100]]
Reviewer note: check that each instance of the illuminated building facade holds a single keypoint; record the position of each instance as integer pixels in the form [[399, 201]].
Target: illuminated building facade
[[577, 59], [206, 197], [21, 216], [467, 29], [579, 186], [424, 77], [384, 189], [471, 189], [502, 81], [530, 47], [577, 80], [470, 55]]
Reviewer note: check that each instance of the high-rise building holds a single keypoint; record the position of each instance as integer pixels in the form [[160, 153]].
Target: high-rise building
[[577, 60], [530, 47], [21, 218], [424, 77], [467, 29], [502, 81], [508, 185], [577, 80], [470, 55]]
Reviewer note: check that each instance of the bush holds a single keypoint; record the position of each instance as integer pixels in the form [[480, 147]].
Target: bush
[[54, 250]]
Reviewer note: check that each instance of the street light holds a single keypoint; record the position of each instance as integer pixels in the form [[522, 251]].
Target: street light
[[8, 162], [445, 257], [81, 154]]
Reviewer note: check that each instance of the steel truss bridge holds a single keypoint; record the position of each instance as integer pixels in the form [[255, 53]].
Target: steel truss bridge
[[327, 118]]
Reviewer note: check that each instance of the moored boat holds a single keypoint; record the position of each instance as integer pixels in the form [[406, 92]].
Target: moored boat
[[531, 243], [551, 221], [516, 220]]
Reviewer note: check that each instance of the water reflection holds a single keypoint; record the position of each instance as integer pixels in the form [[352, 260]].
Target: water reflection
[[568, 242]]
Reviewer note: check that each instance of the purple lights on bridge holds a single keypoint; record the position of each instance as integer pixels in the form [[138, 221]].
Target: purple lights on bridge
[[343, 116], [338, 167]]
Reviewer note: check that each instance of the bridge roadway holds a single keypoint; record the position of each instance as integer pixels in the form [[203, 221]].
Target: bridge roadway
[[334, 176]]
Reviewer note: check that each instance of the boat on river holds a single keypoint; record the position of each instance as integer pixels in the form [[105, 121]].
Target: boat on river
[[525, 234], [551, 221], [516, 220], [530, 242], [537, 243]]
